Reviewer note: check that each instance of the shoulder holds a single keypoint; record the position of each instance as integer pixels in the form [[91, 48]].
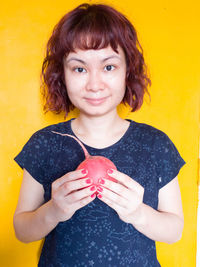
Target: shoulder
[[146, 133], [44, 137], [62, 127], [158, 143]]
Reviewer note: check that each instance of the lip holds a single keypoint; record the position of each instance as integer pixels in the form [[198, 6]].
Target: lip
[[96, 101]]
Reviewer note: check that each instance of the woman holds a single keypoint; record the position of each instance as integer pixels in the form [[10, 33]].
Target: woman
[[94, 62]]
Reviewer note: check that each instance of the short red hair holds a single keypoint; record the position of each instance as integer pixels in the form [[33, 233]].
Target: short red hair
[[102, 25]]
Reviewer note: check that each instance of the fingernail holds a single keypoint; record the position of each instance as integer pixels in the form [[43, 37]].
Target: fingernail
[[92, 188], [93, 195], [101, 181], [109, 171], [88, 181], [100, 189], [99, 196], [84, 171]]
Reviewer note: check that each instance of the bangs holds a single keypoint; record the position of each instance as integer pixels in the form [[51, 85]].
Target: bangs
[[93, 31], [92, 40]]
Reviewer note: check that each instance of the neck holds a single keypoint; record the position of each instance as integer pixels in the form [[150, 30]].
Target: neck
[[97, 127]]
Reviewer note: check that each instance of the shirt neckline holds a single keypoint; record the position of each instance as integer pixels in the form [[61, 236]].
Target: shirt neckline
[[124, 137]]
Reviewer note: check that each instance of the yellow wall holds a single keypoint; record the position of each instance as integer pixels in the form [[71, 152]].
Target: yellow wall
[[169, 33]]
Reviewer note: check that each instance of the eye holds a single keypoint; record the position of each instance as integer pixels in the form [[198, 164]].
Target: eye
[[80, 70], [109, 67]]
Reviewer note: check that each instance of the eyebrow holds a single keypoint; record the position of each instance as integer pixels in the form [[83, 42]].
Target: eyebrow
[[83, 62]]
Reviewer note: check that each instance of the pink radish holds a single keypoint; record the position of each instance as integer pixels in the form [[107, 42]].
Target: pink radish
[[97, 166]]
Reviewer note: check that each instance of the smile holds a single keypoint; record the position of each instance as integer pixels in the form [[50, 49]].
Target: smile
[[96, 101]]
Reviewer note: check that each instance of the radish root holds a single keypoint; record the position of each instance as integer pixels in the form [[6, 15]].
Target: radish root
[[87, 155]]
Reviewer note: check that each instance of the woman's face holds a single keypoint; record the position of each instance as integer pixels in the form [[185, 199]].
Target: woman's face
[[95, 79]]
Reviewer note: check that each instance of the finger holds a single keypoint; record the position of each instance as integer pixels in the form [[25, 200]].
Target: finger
[[70, 176], [75, 185], [77, 196], [119, 209], [117, 188], [83, 202], [113, 197], [124, 179]]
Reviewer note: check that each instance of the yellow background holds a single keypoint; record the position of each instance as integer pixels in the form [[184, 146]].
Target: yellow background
[[170, 36]]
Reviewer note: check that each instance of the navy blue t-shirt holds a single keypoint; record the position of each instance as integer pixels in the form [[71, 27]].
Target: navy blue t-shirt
[[95, 235]]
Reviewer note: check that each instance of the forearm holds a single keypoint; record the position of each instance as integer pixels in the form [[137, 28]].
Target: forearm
[[159, 226], [34, 225]]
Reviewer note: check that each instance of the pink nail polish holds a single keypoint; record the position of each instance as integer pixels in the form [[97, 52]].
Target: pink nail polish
[[99, 196], [88, 181], [109, 171], [84, 171], [102, 181], [100, 189], [92, 188], [93, 195]]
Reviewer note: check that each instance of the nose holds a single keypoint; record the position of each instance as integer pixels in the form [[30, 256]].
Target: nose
[[94, 82]]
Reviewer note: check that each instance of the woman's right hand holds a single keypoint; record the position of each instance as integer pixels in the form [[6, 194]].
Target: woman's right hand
[[70, 193], [34, 219]]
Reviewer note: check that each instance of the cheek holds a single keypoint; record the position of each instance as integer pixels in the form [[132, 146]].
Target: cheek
[[121, 89], [118, 83], [118, 77], [71, 85], [74, 82], [71, 89]]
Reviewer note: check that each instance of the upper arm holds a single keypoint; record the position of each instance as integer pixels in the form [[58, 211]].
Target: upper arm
[[170, 198], [31, 194]]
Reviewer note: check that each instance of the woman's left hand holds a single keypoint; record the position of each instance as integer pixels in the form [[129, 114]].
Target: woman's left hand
[[125, 197]]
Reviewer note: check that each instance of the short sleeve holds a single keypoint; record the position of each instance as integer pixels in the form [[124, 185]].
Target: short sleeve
[[33, 156], [168, 160]]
